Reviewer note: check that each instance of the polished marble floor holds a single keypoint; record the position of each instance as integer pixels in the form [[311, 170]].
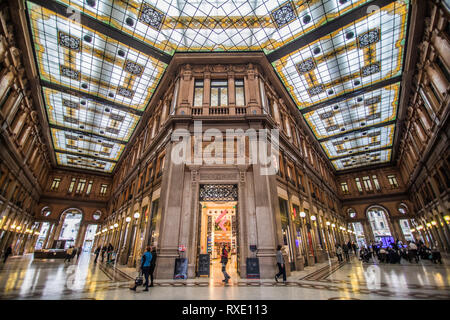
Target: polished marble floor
[[26, 278]]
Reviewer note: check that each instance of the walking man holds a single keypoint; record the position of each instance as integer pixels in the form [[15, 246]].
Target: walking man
[[224, 261], [97, 252], [8, 252], [281, 265], [69, 253]]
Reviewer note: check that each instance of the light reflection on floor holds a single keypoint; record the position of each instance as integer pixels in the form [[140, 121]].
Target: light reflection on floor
[[25, 278]]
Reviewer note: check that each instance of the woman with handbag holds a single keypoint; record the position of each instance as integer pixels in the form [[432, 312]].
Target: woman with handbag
[[145, 269]]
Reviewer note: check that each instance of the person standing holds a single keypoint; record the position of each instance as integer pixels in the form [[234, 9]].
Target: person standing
[[69, 253], [224, 261], [436, 255], [152, 265], [80, 249], [345, 249], [355, 248], [281, 265], [412, 250], [103, 253], [8, 252], [109, 252], [339, 252], [97, 252], [145, 267]]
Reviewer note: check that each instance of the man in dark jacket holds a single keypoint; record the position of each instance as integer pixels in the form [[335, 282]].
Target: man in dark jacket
[[281, 265], [345, 249], [224, 261], [103, 253], [8, 252], [97, 252], [152, 265]]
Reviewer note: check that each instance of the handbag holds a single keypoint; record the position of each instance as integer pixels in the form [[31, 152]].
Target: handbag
[[139, 281]]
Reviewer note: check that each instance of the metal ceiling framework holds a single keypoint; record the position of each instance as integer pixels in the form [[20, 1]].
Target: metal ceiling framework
[[99, 62]]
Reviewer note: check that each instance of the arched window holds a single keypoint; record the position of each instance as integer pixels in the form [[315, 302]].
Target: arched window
[[97, 215], [46, 211], [403, 209], [378, 219], [351, 212], [71, 224]]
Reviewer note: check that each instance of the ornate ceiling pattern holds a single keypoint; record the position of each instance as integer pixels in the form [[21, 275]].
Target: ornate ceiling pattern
[[100, 62]]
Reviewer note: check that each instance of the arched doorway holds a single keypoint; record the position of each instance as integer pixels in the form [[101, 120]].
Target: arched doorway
[[71, 222], [378, 220]]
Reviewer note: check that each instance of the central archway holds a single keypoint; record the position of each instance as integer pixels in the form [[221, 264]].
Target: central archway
[[71, 222], [378, 219]]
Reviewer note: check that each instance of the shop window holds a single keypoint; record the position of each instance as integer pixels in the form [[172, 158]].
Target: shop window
[[89, 187], [219, 93], [103, 189], [358, 184], [376, 183], [392, 181], [344, 187], [81, 185], [367, 183], [198, 93], [72, 185], [55, 184], [240, 95]]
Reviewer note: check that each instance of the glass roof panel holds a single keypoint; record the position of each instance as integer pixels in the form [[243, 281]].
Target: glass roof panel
[[203, 25], [362, 53], [84, 163], [361, 111], [85, 145], [88, 116], [79, 58], [356, 142], [371, 158]]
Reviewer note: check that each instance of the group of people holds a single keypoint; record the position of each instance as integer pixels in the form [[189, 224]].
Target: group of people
[[109, 250], [148, 264], [346, 249], [411, 252], [71, 252]]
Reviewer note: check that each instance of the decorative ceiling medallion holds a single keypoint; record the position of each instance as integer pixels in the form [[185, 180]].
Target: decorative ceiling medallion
[[368, 38], [133, 68], [326, 115], [70, 120], [127, 93], [70, 73], [151, 16], [373, 116], [332, 128], [316, 90], [373, 100], [374, 134], [70, 104], [218, 192], [306, 66], [370, 69], [116, 117], [107, 145], [68, 41], [284, 14]]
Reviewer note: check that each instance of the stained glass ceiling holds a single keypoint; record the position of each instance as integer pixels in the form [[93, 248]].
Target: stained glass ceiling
[[101, 60]]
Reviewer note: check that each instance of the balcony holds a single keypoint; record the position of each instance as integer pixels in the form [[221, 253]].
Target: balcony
[[218, 111]]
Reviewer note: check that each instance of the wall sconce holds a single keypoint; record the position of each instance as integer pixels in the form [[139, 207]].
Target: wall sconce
[[111, 227], [447, 218], [18, 228], [302, 214], [413, 230], [116, 225], [36, 233], [333, 225], [127, 219], [104, 230], [13, 226], [429, 225], [313, 218], [137, 215], [328, 223], [433, 223]]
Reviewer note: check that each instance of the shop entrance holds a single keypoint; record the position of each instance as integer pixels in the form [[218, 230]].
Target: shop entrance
[[219, 229]]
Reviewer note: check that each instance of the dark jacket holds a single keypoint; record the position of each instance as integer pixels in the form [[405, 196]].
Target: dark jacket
[[8, 251]]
